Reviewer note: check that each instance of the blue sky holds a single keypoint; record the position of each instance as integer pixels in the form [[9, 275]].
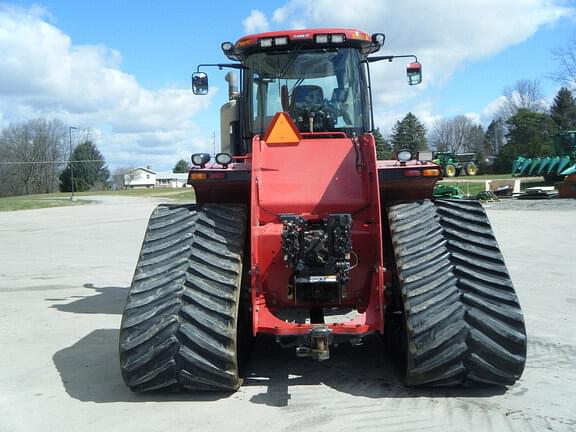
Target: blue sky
[[122, 69]]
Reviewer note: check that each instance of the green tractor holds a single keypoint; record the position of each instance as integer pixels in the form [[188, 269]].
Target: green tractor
[[456, 164], [554, 167]]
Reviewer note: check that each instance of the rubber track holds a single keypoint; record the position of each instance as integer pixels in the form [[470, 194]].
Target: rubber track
[[179, 328], [464, 325], [496, 337]]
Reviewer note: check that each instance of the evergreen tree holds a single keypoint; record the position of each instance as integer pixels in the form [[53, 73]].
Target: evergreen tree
[[563, 110], [529, 134], [409, 134], [181, 166], [475, 139], [475, 144], [383, 150], [90, 169], [494, 138]]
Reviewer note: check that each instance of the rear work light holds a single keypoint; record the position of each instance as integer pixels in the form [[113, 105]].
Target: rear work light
[[224, 159], [227, 46], [270, 42], [404, 156], [200, 159], [321, 38], [283, 40], [228, 50], [266, 43], [333, 38], [338, 38]]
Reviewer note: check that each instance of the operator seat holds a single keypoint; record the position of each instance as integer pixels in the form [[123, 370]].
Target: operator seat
[[306, 95]]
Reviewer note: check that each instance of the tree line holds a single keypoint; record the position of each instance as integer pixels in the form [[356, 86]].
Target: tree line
[[523, 126], [35, 158]]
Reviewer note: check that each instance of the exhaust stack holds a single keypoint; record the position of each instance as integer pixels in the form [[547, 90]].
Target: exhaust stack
[[230, 78]]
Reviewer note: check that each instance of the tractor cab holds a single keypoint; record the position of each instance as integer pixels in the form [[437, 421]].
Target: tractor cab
[[565, 142], [319, 77], [323, 91]]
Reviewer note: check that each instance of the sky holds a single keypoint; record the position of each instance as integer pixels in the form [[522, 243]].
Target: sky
[[121, 69]]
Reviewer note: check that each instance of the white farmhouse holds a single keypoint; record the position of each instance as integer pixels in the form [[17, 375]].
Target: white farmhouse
[[139, 178], [171, 180]]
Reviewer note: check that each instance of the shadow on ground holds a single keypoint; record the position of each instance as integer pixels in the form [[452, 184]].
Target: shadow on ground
[[109, 300], [360, 371], [90, 369], [90, 372]]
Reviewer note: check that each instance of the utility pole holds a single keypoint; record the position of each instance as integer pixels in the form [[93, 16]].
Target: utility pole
[[70, 162], [214, 142]]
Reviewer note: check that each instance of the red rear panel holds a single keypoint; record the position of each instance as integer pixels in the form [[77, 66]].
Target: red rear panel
[[315, 178]]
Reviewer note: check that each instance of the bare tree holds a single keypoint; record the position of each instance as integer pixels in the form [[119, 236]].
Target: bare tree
[[454, 134], [566, 58], [122, 176], [29, 155], [51, 135], [523, 94]]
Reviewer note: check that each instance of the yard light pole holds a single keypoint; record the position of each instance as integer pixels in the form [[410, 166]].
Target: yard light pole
[[71, 165]]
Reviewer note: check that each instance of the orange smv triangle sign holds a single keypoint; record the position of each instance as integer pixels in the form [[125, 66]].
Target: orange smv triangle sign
[[282, 130]]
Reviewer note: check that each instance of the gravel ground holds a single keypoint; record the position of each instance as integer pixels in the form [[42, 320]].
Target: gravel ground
[[554, 204], [64, 274]]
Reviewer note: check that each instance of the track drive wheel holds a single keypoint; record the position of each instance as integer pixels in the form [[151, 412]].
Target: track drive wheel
[[180, 324], [461, 321], [450, 170], [471, 169]]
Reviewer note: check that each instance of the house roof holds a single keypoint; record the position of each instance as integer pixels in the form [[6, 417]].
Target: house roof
[[141, 168]]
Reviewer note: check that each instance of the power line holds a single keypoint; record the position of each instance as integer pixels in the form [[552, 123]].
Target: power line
[[49, 162]]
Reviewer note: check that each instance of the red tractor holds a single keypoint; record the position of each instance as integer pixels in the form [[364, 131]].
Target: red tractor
[[300, 233]]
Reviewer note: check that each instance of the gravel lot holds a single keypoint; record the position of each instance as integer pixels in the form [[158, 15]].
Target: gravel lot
[[64, 274]]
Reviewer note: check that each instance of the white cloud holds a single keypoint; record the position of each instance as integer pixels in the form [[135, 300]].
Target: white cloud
[[444, 35], [493, 107], [43, 74], [387, 119], [474, 117], [471, 30], [255, 22]]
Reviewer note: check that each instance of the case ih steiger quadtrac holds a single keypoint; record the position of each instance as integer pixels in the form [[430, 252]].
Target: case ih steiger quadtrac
[[300, 233]]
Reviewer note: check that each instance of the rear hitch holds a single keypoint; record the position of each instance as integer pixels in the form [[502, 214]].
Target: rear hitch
[[319, 349]]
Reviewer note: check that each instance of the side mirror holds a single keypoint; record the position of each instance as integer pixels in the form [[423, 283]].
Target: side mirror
[[414, 73], [199, 83]]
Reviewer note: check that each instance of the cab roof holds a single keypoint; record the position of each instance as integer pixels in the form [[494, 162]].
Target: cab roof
[[305, 38], [304, 34]]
